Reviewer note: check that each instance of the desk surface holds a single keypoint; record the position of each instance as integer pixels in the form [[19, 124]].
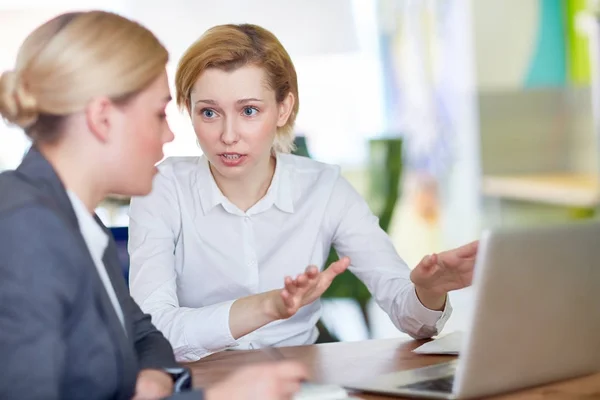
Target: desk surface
[[575, 190], [347, 362]]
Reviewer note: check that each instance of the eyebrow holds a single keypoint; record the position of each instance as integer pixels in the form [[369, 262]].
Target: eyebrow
[[248, 100], [212, 102], [240, 101]]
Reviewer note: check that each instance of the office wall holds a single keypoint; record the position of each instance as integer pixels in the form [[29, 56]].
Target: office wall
[[546, 130], [15, 25], [519, 44], [533, 87], [332, 43], [431, 102]]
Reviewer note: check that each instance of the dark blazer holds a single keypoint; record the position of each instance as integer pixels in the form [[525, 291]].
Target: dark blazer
[[60, 337]]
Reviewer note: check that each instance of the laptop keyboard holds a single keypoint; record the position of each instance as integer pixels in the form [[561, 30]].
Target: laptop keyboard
[[443, 385]]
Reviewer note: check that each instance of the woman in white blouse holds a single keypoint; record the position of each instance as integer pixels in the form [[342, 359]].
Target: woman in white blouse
[[221, 248]]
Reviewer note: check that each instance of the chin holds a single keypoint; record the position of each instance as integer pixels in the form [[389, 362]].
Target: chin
[[144, 191], [138, 187], [230, 173]]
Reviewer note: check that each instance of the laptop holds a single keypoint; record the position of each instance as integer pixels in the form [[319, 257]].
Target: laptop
[[536, 317]]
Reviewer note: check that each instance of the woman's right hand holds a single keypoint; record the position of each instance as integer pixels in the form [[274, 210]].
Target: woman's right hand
[[247, 314], [305, 288], [273, 381]]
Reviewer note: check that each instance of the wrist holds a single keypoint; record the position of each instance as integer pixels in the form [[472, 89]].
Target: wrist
[[269, 305], [432, 300]]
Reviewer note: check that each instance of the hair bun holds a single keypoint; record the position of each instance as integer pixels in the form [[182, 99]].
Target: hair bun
[[17, 105]]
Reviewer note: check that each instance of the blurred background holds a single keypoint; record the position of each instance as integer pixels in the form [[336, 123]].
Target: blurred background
[[449, 116]]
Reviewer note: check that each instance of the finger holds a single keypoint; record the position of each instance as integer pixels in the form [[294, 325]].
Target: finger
[[290, 286], [288, 281], [302, 281], [468, 250], [434, 259], [427, 262], [288, 299], [312, 271], [337, 267]]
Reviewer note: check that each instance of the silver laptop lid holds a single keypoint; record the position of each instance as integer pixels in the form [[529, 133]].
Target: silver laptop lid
[[537, 309]]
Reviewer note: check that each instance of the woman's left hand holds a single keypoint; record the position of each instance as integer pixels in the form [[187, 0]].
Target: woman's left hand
[[438, 274]]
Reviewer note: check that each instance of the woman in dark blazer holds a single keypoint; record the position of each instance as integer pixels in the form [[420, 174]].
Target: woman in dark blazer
[[90, 90]]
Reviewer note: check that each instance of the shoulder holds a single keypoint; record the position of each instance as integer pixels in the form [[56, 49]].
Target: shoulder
[[17, 192], [174, 172], [34, 221], [36, 239], [29, 204], [309, 170], [180, 164], [177, 171], [176, 180], [26, 211], [316, 174]]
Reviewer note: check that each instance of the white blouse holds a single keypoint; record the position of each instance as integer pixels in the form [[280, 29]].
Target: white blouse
[[193, 253]]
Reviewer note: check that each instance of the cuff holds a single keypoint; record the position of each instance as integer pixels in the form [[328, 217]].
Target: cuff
[[211, 332], [182, 378], [426, 316]]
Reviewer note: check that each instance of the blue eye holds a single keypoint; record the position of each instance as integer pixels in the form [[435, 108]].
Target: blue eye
[[208, 113], [250, 111]]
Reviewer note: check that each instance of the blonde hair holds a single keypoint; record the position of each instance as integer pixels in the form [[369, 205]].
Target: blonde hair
[[229, 47], [69, 60]]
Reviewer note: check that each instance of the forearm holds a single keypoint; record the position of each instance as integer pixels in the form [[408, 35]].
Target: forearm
[[196, 332], [249, 313]]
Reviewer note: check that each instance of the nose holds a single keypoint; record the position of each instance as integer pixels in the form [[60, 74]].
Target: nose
[[229, 135]]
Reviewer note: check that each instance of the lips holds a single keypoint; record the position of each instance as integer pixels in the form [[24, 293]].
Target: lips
[[232, 159]]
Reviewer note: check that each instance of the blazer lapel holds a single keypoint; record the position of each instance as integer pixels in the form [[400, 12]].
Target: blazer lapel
[[113, 268], [124, 337]]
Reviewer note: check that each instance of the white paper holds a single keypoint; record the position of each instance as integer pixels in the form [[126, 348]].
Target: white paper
[[449, 344], [316, 391]]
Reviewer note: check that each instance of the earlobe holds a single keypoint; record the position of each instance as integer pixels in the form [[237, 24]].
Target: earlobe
[[285, 109], [98, 117]]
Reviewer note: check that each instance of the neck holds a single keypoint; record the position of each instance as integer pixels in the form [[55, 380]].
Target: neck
[[248, 190], [76, 173]]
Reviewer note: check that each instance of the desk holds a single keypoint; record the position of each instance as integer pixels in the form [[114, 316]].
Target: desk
[[347, 362], [574, 190]]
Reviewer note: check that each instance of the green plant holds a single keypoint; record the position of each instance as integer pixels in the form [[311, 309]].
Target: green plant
[[385, 172]]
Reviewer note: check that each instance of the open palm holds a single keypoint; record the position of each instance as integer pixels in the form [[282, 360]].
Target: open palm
[[307, 287], [446, 271]]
